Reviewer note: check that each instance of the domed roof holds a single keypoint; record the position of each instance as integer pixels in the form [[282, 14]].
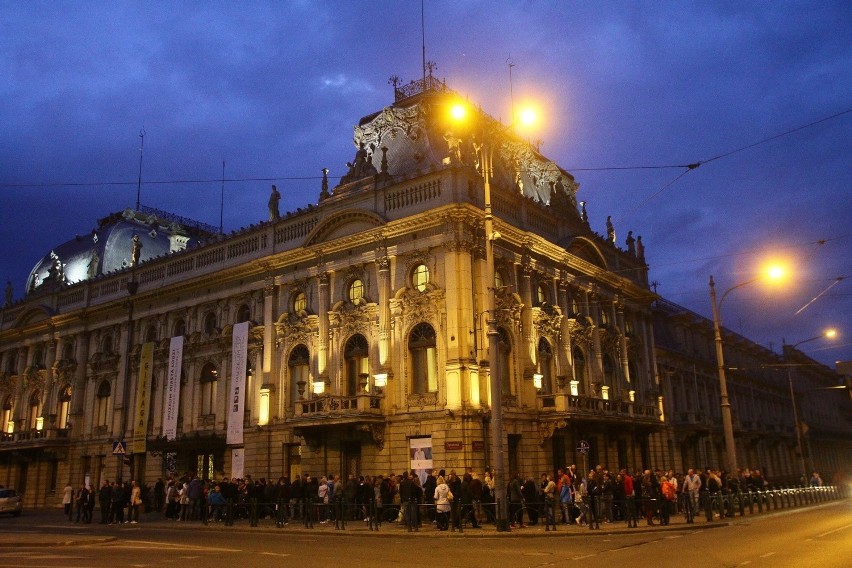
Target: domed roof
[[109, 248]]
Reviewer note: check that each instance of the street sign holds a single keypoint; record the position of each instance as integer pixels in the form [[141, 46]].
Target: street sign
[[583, 447], [119, 448]]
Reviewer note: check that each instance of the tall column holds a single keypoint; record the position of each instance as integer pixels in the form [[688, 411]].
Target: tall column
[[48, 402], [565, 358], [528, 349], [592, 299], [270, 377], [383, 264], [625, 367], [322, 354]]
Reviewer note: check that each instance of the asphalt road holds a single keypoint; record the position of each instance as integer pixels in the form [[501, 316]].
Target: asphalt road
[[817, 536]]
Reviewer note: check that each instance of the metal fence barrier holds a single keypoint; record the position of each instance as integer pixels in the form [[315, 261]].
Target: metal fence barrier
[[414, 515]]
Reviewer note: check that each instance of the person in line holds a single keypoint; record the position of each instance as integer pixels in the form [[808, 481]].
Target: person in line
[[442, 498]]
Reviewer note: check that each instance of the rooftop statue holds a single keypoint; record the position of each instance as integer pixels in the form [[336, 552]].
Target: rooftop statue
[[274, 198]]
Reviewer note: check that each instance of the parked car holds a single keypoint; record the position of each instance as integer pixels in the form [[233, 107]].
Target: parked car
[[11, 502]]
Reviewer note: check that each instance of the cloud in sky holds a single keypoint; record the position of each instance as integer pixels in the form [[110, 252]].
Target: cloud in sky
[[274, 88]]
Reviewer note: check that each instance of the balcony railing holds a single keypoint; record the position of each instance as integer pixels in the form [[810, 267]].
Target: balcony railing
[[594, 406], [35, 438], [333, 405]]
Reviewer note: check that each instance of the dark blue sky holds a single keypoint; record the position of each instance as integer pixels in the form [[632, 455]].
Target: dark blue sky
[[275, 88]]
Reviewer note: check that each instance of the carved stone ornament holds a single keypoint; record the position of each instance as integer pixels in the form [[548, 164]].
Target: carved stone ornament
[[581, 332], [7, 383], [392, 121], [300, 331], [416, 307], [546, 429], [377, 433], [610, 342], [33, 378], [422, 400], [508, 309], [348, 320], [547, 322]]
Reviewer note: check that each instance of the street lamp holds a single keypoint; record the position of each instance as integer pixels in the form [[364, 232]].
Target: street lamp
[[458, 113], [727, 422], [830, 334]]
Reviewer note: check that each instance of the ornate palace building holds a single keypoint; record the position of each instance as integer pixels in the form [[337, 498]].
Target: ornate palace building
[[347, 334]]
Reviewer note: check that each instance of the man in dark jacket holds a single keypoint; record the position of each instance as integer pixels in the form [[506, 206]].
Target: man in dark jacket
[[105, 498]]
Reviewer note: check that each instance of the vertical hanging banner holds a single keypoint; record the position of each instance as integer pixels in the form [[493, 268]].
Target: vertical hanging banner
[[172, 402], [238, 458], [237, 398], [143, 395], [420, 450]]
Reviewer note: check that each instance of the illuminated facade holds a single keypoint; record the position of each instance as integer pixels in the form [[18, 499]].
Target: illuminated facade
[[366, 317]]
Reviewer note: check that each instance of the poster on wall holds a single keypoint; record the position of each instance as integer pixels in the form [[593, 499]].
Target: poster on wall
[[420, 452], [143, 389], [237, 462], [172, 402], [237, 398]]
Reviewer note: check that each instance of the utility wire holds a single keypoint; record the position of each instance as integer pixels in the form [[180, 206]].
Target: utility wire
[[687, 167]]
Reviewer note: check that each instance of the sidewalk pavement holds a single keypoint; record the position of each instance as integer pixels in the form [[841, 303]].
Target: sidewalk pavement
[[95, 533]]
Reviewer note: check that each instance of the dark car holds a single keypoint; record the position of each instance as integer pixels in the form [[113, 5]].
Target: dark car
[[11, 502]]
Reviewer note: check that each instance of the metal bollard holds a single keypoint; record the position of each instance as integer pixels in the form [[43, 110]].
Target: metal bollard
[[229, 513]]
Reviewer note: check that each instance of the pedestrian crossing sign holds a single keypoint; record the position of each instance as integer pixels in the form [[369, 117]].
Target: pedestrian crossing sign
[[119, 448]]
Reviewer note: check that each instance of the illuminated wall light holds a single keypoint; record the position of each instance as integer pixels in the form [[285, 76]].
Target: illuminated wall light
[[263, 417], [537, 378], [40, 423], [575, 388], [319, 387], [605, 392], [380, 380], [632, 395]]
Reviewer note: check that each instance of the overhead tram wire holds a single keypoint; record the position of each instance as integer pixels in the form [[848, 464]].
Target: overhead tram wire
[[154, 182], [687, 167], [700, 163]]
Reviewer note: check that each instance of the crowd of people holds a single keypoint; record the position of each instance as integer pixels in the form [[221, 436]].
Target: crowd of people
[[443, 498]]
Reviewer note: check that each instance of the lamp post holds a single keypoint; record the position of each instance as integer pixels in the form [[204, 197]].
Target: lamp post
[[830, 333], [727, 421], [485, 150]]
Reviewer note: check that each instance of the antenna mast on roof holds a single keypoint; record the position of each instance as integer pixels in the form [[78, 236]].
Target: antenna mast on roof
[[423, 34], [139, 185], [511, 92]]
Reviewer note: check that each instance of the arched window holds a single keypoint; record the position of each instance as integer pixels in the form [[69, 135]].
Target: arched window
[[34, 411], [106, 345], [209, 382], [151, 334], [604, 316], [499, 281], [420, 277], [299, 364], [300, 302], [609, 370], [179, 328], [424, 359], [7, 426], [579, 368], [542, 295], [102, 404], [38, 357], [505, 361], [545, 366], [210, 329], [355, 355], [243, 314], [64, 407], [356, 291], [68, 350]]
